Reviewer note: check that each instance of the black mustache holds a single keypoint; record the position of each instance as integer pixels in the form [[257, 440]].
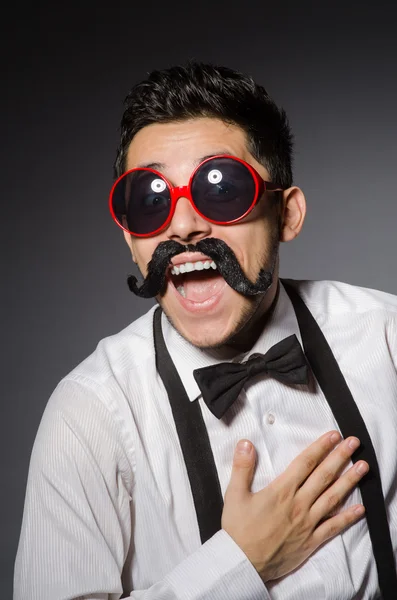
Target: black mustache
[[216, 249]]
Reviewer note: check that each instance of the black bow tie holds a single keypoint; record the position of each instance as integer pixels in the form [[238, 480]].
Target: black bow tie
[[221, 384]]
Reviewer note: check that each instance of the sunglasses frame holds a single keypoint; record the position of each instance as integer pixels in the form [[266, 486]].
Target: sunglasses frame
[[184, 191]]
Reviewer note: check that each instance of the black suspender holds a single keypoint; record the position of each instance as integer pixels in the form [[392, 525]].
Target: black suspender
[[194, 441], [350, 421]]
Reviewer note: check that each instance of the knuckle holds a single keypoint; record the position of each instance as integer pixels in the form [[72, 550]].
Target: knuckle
[[297, 512], [327, 444], [332, 528], [332, 501], [326, 477], [348, 517], [309, 462], [308, 546], [284, 494], [345, 452], [352, 476], [345, 519], [242, 467]]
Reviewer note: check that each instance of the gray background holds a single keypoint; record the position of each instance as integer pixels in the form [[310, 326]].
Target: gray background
[[66, 71]]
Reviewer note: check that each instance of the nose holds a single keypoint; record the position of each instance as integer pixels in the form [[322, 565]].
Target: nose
[[187, 226]]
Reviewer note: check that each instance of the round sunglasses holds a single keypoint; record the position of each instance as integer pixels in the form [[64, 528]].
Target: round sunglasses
[[222, 189]]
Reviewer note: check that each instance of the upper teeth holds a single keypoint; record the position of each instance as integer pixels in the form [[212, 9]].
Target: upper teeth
[[187, 267]]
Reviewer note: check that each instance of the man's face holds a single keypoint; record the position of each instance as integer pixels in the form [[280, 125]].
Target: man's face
[[212, 312]]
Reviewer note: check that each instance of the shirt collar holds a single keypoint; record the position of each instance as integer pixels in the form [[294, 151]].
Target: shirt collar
[[187, 357]]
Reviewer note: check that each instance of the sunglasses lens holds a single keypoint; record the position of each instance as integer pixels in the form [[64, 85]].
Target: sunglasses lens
[[141, 201], [223, 189]]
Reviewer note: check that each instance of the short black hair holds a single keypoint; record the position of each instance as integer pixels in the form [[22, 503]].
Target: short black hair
[[204, 90]]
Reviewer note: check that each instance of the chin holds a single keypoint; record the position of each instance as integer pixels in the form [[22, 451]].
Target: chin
[[206, 340], [203, 333], [211, 331]]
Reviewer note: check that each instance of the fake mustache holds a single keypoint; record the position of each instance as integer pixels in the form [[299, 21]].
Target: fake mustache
[[216, 249]]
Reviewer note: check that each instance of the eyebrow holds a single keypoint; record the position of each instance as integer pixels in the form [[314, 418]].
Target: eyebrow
[[162, 166]]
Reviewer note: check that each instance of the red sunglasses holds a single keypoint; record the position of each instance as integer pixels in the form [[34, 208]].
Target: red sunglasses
[[222, 189]]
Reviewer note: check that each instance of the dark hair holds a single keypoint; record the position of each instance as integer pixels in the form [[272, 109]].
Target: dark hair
[[203, 90]]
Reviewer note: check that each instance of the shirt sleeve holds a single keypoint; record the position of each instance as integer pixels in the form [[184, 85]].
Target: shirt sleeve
[[77, 527]]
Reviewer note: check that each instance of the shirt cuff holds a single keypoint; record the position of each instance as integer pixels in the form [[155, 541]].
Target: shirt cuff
[[219, 570]]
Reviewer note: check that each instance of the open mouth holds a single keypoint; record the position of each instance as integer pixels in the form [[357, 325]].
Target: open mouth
[[196, 281]]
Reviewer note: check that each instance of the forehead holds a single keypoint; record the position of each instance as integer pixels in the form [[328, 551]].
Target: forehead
[[186, 142]]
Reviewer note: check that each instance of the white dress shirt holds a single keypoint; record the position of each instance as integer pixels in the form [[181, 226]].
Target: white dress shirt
[[108, 504]]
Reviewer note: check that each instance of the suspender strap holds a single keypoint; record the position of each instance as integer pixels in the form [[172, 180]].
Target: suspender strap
[[350, 421], [194, 441]]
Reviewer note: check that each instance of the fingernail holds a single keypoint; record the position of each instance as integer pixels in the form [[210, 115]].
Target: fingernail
[[244, 447], [359, 510], [335, 437], [362, 468], [354, 443]]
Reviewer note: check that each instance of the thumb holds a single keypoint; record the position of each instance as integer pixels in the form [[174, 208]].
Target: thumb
[[243, 468]]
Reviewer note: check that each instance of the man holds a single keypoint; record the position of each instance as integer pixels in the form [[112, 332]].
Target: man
[[152, 478]]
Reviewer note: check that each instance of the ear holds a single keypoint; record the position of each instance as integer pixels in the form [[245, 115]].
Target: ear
[[128, 239], [294, 212]]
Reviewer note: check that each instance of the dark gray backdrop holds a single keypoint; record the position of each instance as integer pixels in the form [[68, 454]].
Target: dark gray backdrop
[[66, 71]]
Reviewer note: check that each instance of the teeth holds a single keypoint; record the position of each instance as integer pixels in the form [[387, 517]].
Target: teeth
[[181, 290], [188, 267]]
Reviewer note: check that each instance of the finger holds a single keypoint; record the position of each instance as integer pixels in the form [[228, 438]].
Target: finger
[[305, 463], [335, 525], [335, 494], [242, 469], [327, 471]]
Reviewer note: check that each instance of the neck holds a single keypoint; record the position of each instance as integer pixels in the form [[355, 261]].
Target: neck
[[243, 341]]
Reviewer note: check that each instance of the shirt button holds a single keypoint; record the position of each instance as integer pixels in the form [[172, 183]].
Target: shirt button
[[270, 418]]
